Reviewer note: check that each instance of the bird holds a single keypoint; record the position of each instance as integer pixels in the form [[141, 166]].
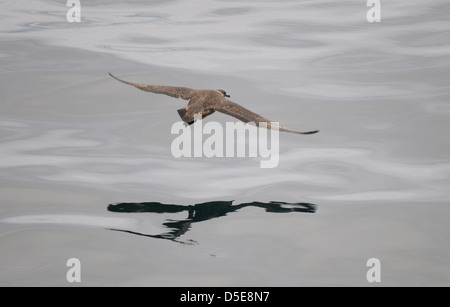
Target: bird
[[206, 102]]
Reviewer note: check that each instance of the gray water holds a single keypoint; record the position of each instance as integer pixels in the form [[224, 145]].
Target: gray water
[[86, 169]]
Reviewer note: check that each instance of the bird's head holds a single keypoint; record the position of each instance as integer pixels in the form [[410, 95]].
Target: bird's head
[[223, 93]]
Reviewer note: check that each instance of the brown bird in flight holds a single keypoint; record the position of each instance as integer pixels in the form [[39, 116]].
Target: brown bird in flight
[[206, 102]]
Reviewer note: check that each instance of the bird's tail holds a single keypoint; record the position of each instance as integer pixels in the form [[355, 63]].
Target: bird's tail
[[185, 117]]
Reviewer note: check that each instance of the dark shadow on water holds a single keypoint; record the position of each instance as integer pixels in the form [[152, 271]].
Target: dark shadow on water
[[200, 212]]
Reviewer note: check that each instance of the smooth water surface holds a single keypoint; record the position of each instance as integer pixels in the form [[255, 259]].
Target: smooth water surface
[[86, 168]]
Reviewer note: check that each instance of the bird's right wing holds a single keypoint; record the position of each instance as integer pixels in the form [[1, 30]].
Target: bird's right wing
[[239, 112], [173, 91], [245, 115]]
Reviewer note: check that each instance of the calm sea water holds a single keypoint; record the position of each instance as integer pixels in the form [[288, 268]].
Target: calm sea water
[[86, 169]]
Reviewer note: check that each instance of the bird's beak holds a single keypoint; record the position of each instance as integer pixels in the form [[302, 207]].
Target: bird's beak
[[226, 95]]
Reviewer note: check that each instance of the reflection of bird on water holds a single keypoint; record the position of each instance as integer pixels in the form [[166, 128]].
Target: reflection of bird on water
[[206, 102], [200, 212]]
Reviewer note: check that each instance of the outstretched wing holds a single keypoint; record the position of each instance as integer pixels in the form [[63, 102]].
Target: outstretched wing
[[239, 112], [245, 115], [173, 91]]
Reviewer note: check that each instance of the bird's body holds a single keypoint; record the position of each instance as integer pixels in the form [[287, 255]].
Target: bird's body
[[206, 102]]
